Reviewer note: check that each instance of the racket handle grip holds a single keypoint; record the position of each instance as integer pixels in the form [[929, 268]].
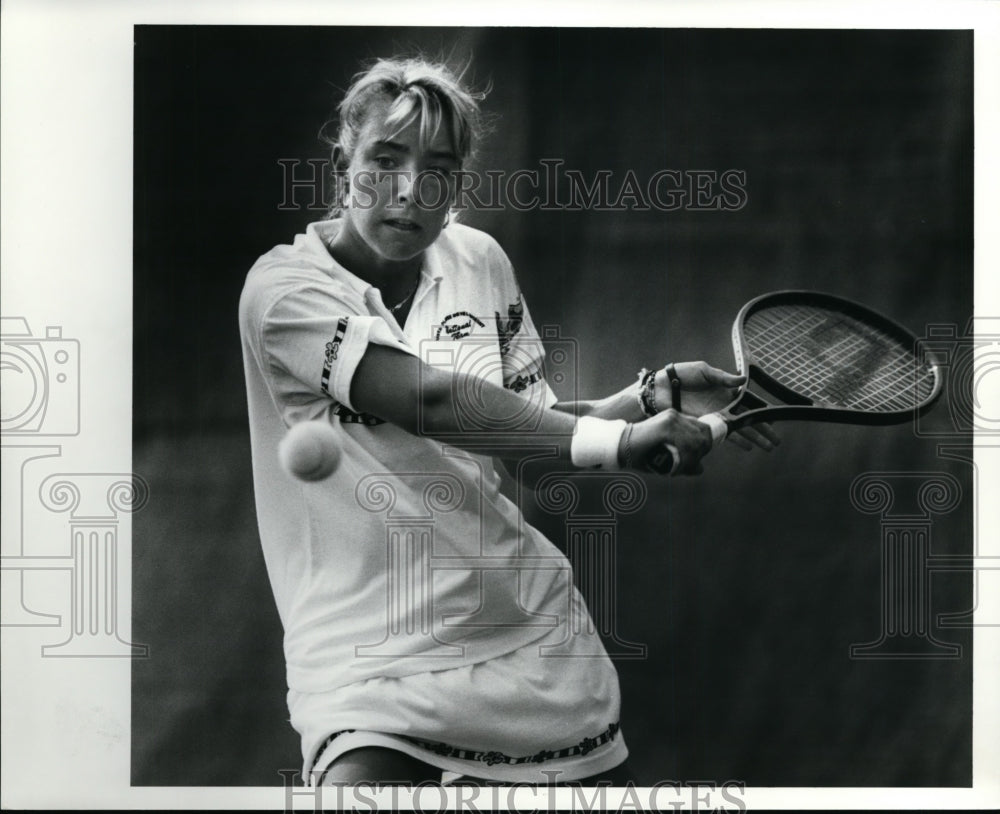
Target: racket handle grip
[[665, 460], [717, 424]]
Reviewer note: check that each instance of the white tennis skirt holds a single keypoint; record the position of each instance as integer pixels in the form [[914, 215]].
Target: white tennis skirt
[[530, 716]]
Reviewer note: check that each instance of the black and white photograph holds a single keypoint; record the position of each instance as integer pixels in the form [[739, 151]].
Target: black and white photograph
[[481, 412]]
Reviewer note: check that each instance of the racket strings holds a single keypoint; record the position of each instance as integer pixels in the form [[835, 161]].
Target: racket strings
[[835, 359], [848, 357]]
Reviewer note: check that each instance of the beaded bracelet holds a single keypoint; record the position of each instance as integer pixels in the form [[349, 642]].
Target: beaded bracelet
[[647, 383], [639, 388], [650, 393]]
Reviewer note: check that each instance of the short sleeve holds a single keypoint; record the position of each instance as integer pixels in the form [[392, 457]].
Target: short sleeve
[[521, 349], [313, 341]]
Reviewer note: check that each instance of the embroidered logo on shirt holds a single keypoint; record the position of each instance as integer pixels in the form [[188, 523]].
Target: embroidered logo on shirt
[[458, 325], [507, 328], [332, 349]]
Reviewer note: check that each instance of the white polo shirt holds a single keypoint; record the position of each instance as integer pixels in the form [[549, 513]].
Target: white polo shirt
[[408, 558]]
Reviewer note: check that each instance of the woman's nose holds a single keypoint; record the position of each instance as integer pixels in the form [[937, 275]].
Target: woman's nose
[[404, 185]]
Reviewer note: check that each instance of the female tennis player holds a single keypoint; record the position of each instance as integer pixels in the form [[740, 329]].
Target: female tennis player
[[417, 603]]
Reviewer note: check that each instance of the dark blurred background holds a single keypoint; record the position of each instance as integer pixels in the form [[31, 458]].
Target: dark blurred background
[[748, 584]]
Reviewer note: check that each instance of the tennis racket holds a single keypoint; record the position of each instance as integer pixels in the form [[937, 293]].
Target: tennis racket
[[817, 357]]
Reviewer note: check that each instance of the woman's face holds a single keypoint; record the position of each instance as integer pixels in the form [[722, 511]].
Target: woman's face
[[399, 193]]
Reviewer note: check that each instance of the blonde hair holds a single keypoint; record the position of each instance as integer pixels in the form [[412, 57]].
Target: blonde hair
[[418, 90]]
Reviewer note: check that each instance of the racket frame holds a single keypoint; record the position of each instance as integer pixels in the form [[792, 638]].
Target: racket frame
[[758, 408]]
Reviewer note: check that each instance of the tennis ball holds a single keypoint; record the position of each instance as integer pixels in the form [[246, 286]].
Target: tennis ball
[[310, 450]]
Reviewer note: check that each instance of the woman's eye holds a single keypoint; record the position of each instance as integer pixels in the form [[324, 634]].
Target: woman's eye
[[385, 162]]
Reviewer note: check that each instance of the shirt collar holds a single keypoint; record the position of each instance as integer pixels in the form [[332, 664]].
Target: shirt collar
[[433, 269], [318, 237]]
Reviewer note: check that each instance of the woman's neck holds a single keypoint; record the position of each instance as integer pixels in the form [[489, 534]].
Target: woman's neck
[[393, 278]]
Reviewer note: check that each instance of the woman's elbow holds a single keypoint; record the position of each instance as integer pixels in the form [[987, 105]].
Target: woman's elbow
[[431, 405]]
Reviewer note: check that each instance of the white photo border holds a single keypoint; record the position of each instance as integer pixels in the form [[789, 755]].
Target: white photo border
[[67, 96]]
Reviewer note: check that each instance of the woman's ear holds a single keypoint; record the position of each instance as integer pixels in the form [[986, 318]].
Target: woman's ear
[[339, 159], [342, 183]]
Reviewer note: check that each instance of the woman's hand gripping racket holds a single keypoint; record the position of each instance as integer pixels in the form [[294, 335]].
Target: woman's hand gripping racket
[[817, 357]]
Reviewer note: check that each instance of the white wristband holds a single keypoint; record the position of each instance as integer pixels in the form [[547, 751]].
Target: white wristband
[[717, 424], [595, 443]]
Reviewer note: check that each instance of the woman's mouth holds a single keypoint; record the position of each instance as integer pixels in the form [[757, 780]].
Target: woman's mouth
[[402, 224]]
